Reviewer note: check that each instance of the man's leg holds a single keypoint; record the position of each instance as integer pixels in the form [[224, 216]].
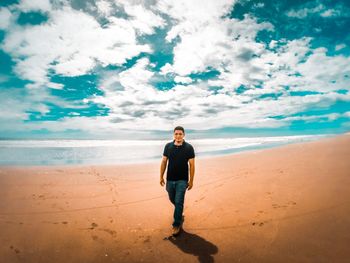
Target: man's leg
[[170, 187], [181, 187]]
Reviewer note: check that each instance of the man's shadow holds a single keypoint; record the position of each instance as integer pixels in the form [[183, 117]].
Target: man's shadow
[[195, 245]]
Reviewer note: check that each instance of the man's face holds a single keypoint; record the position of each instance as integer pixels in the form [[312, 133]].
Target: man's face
[[178, 135]]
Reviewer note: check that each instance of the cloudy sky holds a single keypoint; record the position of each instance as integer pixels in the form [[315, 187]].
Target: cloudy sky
[[135, 69]]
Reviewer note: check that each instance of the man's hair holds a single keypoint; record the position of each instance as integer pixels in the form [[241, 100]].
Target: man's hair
[[179, 128]]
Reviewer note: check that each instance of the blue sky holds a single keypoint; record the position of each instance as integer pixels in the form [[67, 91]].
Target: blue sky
[[136, 69]]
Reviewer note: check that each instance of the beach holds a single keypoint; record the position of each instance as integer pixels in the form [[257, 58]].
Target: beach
[[285, 204]]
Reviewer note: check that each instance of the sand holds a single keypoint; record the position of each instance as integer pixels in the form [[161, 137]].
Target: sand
[[286, 204]]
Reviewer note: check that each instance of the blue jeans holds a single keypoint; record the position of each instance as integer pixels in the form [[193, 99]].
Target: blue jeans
[[176, 191]]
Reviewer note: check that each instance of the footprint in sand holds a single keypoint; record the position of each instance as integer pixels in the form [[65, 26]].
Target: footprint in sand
[[109, 231], [98, 239], [257, 223], [148, 239], [284, 206], [93, 225], [55, 205], [42, 197], [278, 206], [200, 199], [217, 186], [15, 249]]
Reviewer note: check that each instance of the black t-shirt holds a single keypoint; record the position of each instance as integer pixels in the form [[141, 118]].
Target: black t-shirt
[[178, 156]]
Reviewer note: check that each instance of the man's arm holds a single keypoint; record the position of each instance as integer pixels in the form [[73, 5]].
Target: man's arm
[[192, 169], [162, 169]]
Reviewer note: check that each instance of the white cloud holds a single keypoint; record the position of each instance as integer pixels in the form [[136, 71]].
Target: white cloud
[[5, 18], [53, 85], [183, 80], [252, 115], [142, 19], [323, 73], [17, 104], [257, 114], [304, 12], [72, 43], [330, 13], [34, 5], [296, 65], [318, 118], [197, 24], [206, 38], [259, 5], [12, 106], [319, 9], [104, 7], [127, 92], [340, 47], [135, 104]]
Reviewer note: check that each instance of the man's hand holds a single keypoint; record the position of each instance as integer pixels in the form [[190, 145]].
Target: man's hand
[[189, 185], [162, 183]]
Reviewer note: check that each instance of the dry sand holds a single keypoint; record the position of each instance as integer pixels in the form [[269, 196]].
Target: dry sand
[[287, 204]]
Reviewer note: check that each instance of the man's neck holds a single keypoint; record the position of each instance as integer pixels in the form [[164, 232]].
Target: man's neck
[[180, 143]]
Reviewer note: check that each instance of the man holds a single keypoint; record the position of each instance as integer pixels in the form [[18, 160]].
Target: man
[[179, 153]]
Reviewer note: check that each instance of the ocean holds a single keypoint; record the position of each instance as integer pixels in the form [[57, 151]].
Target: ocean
[[94, 152]]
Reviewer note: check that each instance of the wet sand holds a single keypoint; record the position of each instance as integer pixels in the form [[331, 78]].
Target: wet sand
[[286, 204]]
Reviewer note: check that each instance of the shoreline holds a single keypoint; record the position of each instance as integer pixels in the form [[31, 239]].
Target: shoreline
[[150, 162]]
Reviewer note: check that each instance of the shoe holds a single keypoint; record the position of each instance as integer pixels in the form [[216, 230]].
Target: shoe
[[176, 230]]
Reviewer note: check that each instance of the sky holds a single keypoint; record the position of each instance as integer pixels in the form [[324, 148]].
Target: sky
[[136, 69]]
